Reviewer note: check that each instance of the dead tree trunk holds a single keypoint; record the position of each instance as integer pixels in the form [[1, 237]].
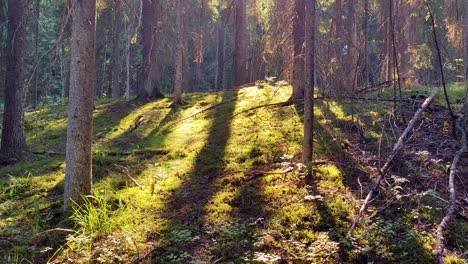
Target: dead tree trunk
[[78, 178], [396, 149], [13, 140]]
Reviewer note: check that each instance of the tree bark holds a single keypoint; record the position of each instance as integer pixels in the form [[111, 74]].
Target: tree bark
[[78, 176], [13, 140], [366, 44], [309, 69], [115, 59], [220, 56], [465, 33], [240, 45], [2, 57], [179, 56], [298, 54], [150, 74]]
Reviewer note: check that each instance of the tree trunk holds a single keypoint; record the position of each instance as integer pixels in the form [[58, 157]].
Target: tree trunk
[[115, 60], [200, 45], [309, 69], [240, 47], [366, 44], [78, 176], [2, 57], [220, 57], [13, 140], [179, 56], [298, 55], [36, 50], [465, 33], [150, 49]]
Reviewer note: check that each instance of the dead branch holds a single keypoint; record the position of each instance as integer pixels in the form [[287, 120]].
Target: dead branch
[[396, 148], [125, 171], [440, 244]]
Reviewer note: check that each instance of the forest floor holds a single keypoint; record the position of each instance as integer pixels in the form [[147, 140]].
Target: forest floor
[[225, 185]]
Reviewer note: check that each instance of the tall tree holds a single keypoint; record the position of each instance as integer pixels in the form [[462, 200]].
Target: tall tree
[[115, 58], [219, 84], [150, 18], [298, 55], [179, 56], [13, 140], [309, 70], [240, 45], [465, 33], [78, 176], [37, 6], [2, 26]]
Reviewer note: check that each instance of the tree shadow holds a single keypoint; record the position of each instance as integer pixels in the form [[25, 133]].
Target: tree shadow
[[189, 206]]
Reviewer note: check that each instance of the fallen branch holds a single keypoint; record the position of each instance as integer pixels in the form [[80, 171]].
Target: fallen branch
[[125, 171], [396, 148], [440, 244]]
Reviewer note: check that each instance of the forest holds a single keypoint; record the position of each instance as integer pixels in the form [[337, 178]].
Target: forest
[[234, 131]]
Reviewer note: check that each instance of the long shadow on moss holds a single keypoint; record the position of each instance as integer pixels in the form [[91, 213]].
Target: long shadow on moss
[[187, 208]]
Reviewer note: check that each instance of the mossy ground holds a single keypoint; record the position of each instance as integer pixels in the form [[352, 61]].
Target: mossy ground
[[206, 197]]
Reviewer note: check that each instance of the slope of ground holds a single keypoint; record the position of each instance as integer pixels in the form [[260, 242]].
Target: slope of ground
[[224, 185]]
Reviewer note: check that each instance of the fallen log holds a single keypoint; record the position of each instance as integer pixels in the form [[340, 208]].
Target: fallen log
[[440, 240], [396, 148]]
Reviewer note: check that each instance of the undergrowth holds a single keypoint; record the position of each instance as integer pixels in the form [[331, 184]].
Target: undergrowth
[[206, 197]]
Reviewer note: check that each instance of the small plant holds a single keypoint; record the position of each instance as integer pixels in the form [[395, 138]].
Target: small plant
[[94, 216], [17, 185]]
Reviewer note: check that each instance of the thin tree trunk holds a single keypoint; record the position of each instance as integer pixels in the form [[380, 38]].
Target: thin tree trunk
[[240, 45], [366, 44], [36, 49], [465, 33], [128, 60], [179, 56], [2, 51], [220, 56], [309, 69], [298, 54], [115, 59], [13, 140], [78, 177]]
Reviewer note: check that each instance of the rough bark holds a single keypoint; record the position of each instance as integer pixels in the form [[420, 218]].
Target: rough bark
[[366, 44], [36, 50], [220, 56], [309, 70], [179, 56], [298, 54], [2, 57], [150, 82], [78, 176], [13, 140], [465, 33], [240, 47], [115, 58]]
